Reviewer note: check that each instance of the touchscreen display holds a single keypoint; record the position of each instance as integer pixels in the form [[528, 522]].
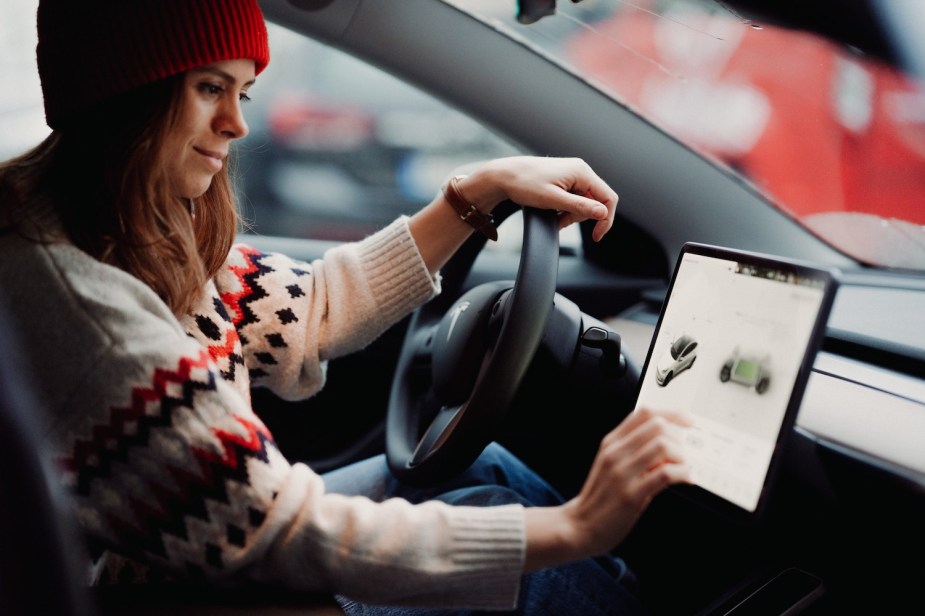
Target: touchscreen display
[[735, 338]]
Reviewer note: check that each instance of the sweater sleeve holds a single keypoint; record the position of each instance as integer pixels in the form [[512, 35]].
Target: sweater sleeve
[[167, 463], [179, 473], [292, 316]]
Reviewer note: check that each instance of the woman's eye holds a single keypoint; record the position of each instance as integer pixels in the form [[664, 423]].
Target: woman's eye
[[211, 89], [244, 98]]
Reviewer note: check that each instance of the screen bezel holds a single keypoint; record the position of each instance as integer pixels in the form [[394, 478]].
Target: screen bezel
[[828, 277]]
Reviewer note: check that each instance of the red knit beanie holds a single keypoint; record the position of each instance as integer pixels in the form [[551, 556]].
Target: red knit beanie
[[90, 50]]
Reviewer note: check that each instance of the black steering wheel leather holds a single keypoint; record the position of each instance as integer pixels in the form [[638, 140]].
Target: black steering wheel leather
[[457, 376]]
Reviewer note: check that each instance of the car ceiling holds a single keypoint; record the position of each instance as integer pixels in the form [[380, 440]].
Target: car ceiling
[[886, 29], [867, 25], [864, 24]]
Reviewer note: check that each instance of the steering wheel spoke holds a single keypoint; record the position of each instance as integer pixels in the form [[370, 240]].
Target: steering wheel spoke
[[437, 433], [420, 346]]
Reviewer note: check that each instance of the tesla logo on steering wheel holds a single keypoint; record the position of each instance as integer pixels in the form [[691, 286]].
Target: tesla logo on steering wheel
[[457, 311]]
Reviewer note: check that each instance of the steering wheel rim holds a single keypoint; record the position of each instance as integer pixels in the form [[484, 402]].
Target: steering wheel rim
[[509, 322]]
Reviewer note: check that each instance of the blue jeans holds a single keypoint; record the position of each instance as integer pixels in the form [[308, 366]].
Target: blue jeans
[[589, 587]]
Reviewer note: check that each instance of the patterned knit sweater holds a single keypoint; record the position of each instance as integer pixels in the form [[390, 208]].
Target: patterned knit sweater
[[151, 424]]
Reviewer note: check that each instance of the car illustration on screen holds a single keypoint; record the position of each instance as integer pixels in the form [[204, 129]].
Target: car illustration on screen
[[746, 370], [679, 357]]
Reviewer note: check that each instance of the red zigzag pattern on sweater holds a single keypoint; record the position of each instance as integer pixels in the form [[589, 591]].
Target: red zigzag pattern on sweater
[[246, 275], [129, 427]]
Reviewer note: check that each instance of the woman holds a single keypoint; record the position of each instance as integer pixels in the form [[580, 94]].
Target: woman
[[145, 330]]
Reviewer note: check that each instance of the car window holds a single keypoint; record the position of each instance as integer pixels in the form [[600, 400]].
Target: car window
[[338, 148], [832, 136], [22, 117]]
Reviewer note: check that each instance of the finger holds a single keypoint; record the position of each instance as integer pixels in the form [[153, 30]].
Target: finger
[[675, 416], [599, 191], [581, 207], [634, 477], [644, 416], [660, 449], [651, 483], [599, 194], [655, 466], [651, 444], [565, 219], [601, 228]]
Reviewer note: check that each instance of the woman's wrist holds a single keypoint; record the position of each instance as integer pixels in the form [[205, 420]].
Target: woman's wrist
[[482, 189], [467, 211], [552, 538]]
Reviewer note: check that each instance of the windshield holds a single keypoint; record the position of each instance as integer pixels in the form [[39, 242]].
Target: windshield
[[832, 137]]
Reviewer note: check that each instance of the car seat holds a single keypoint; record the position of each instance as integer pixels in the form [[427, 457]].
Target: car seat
[[38, 544]]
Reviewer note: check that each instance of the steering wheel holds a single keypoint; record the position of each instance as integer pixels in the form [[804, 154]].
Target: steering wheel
[[457, 375]]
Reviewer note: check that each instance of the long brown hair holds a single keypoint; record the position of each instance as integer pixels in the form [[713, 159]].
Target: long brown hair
[[104, 177]]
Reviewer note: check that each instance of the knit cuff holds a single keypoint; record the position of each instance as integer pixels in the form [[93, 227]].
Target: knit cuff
[[489, 546], [398, 276]]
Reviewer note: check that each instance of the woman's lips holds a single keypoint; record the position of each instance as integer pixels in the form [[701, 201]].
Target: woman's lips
[[213, 158]]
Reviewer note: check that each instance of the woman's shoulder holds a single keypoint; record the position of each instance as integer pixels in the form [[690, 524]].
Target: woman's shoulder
[[62, 277], [86, 329], [65, 302]]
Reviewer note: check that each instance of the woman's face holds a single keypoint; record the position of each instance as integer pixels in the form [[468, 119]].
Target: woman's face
[[210, 119]]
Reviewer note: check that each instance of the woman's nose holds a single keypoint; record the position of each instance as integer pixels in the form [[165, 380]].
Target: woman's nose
[[232, 120]]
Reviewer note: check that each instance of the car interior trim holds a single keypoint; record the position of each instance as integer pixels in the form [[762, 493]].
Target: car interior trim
[[864, 419]]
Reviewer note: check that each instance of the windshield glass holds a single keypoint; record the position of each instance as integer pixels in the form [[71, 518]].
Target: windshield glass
[[833, 137]]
